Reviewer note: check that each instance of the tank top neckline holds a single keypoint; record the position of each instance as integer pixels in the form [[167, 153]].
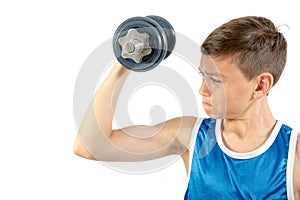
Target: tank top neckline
[[246, 155]]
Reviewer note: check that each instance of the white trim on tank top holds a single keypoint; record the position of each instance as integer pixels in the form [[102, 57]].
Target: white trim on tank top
[[247, 155]]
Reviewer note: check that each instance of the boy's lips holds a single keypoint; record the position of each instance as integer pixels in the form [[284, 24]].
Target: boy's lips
[[206, 104]]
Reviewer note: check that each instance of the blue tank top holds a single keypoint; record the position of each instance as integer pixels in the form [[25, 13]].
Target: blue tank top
[[219, 173]]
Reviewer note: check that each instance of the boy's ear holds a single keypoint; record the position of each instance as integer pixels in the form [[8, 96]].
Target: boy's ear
[[263, 85]]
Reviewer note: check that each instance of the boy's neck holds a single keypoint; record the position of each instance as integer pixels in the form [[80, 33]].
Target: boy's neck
[[257, 122]]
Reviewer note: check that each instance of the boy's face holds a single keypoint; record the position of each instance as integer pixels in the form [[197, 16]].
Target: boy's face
[[225, 91]]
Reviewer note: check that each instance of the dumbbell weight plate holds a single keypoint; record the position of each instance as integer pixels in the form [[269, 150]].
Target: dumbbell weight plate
[[169, 31], [157, 41]]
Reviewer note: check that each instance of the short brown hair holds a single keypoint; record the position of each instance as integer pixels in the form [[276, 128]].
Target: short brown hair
[[255, 42]]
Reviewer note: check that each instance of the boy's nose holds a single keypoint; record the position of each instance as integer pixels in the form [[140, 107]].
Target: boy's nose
[[203, 90]]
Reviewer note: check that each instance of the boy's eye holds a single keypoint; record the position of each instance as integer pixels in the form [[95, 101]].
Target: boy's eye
[[209, 77], [215, 80]]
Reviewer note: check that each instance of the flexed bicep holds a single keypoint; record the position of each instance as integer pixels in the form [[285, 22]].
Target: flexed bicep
[[140, 143]]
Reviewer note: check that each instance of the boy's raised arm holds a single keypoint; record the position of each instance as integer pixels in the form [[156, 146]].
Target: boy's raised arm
[[96, 139]]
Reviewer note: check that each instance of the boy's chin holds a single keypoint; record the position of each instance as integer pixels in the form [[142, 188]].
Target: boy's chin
[[216, 115]]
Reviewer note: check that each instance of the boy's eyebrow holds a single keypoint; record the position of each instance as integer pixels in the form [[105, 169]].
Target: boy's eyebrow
[[213, 74], [209, 73]]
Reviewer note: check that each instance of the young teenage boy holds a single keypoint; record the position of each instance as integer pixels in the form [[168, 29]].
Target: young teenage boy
[[241, 151]]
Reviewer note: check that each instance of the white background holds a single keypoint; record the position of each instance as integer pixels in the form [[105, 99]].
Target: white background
[[43, 45]]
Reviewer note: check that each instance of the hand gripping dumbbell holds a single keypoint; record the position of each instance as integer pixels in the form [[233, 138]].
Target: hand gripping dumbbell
[[141, 43]]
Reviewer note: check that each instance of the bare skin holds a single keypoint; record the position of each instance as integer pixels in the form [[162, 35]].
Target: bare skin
[[247, 125], [96, 139]]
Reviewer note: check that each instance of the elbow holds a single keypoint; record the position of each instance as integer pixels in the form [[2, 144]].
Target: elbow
[[77, 150], [81, 151]]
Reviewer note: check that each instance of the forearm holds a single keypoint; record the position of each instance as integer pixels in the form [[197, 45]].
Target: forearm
[[96, 126], [103, 105]]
